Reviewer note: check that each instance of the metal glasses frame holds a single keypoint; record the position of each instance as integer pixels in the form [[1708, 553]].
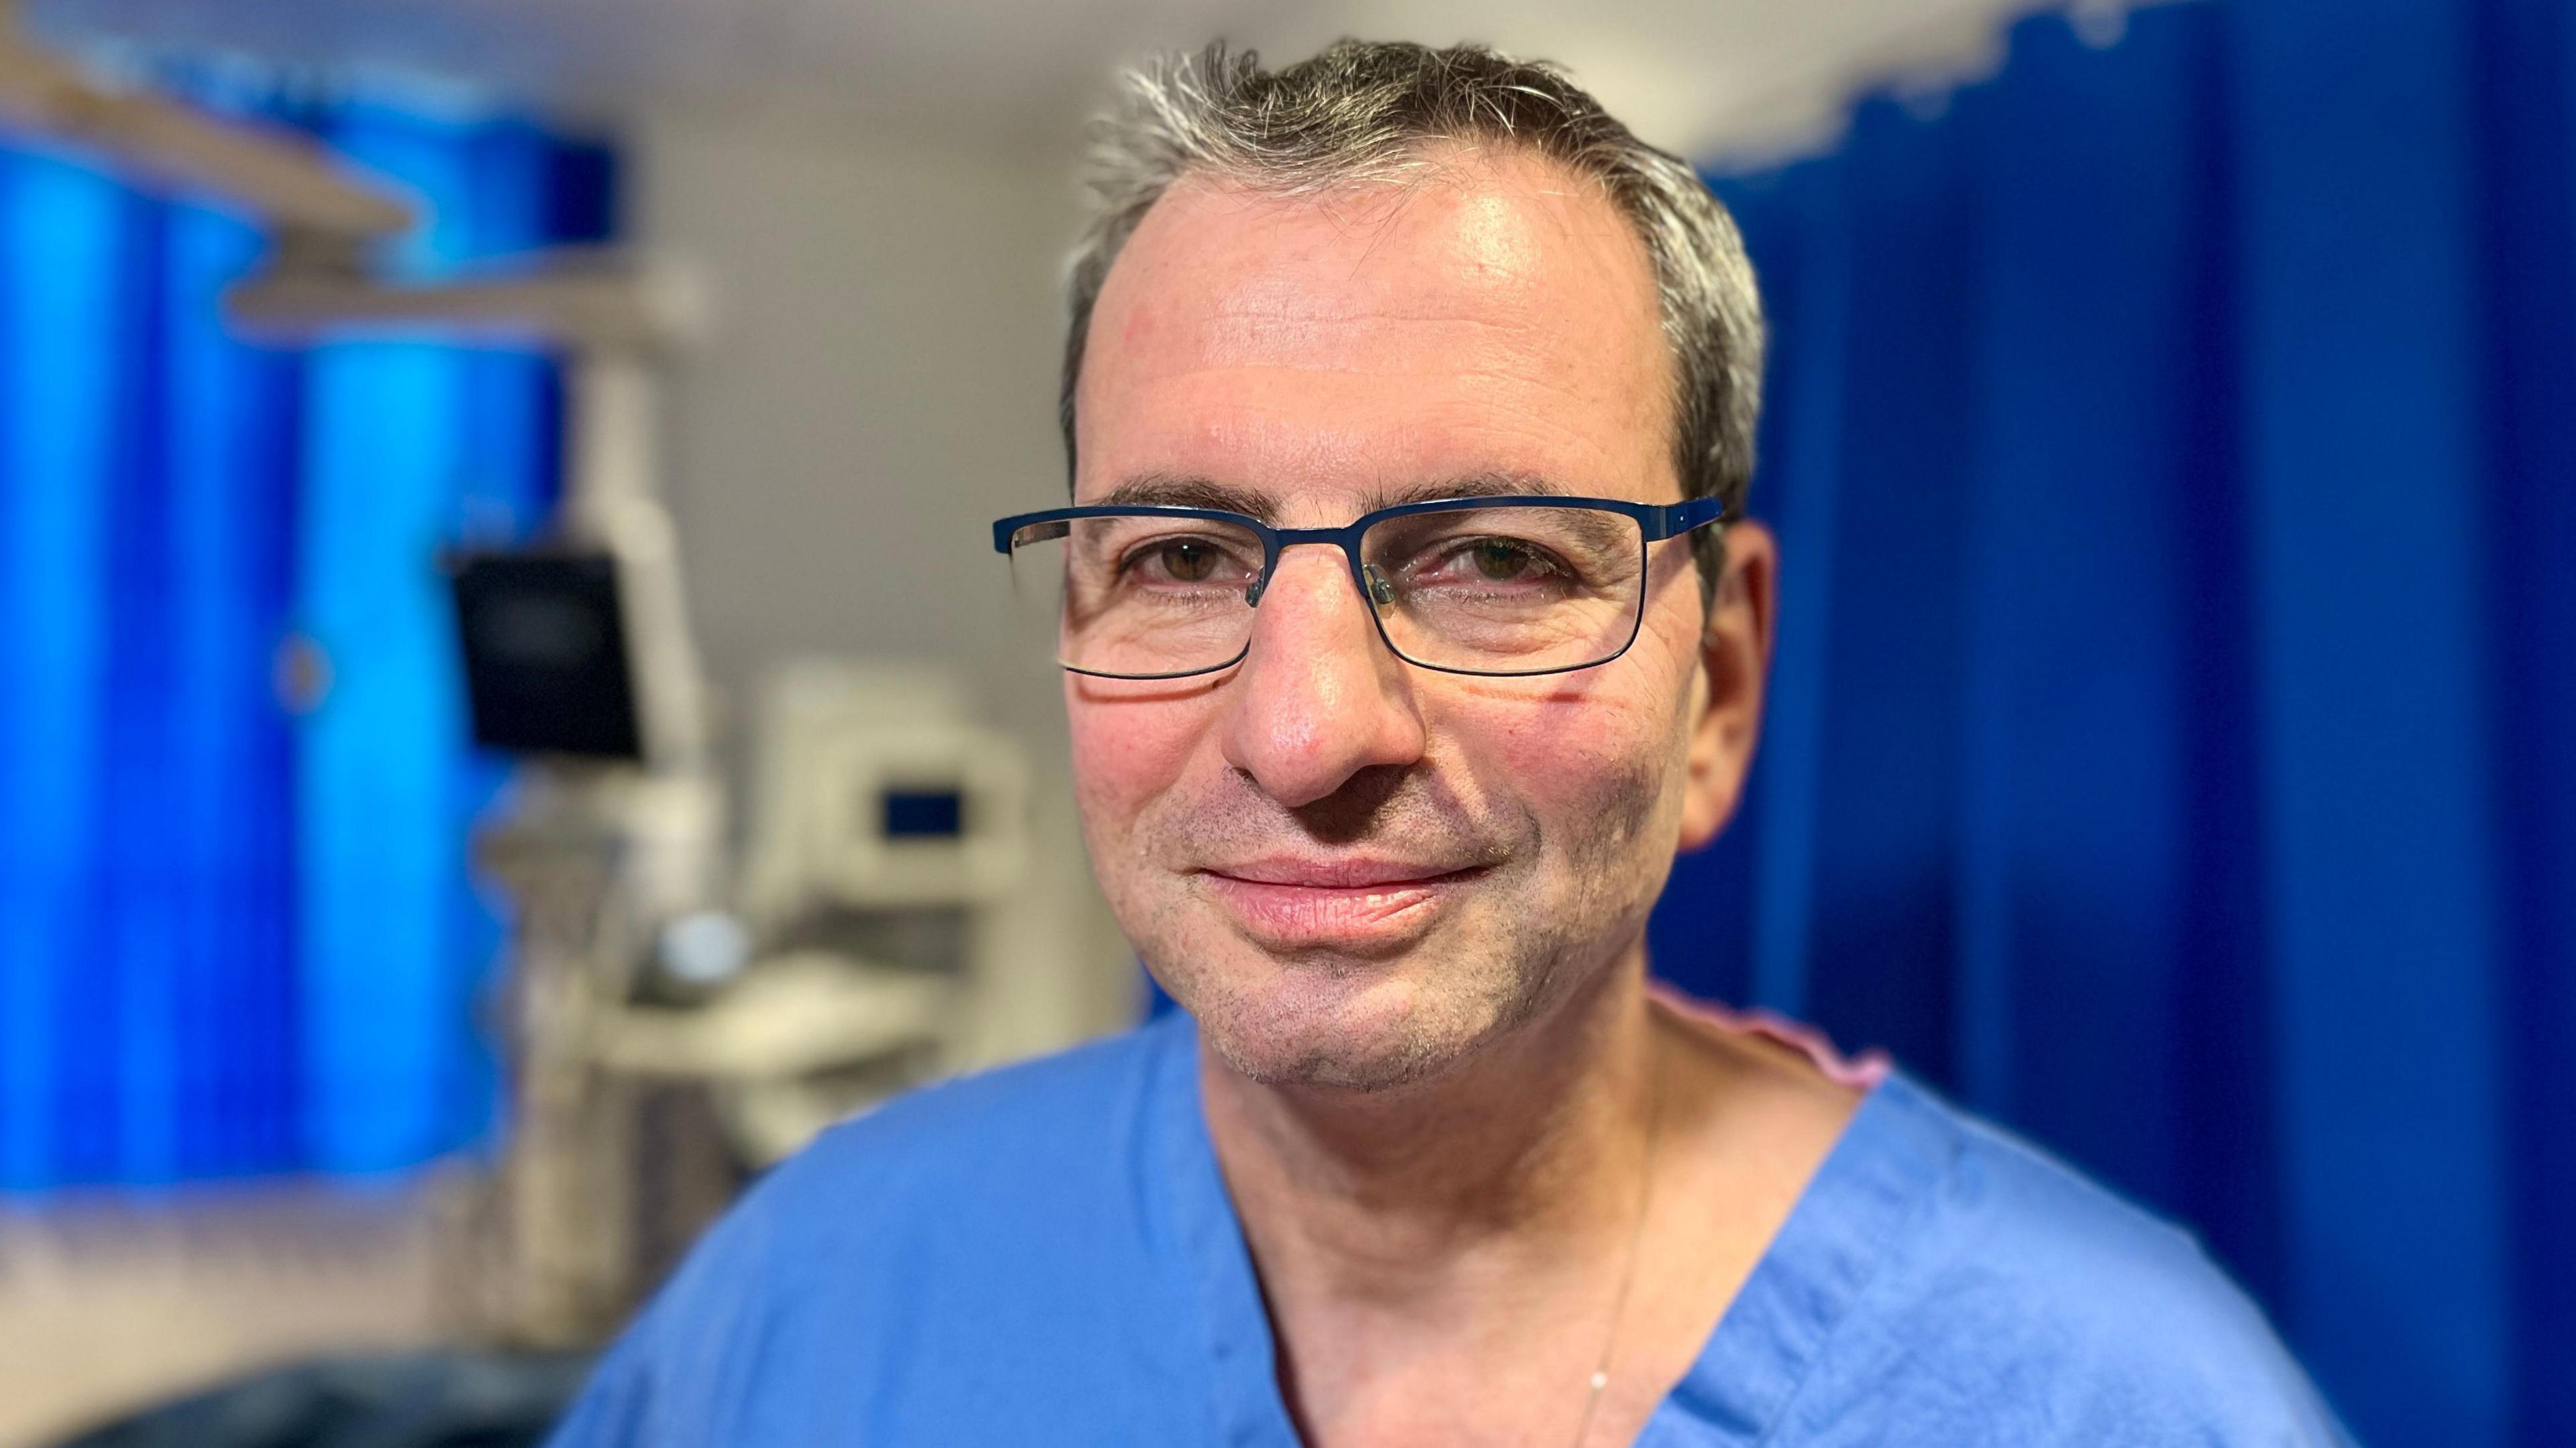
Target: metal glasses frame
[[1655, 523]]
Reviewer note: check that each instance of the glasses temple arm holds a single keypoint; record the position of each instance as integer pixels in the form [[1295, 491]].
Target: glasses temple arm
[[1675, 519]]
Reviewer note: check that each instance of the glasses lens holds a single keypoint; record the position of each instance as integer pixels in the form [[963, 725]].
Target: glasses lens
[[1508, 590], [1136, 596]]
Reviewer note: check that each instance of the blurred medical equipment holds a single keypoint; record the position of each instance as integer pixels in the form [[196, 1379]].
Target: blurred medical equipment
[[884, 823], [653, 1022], [664, 1034], [161, 145], [578, 658]]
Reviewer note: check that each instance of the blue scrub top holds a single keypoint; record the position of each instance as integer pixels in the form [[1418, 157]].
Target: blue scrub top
[[1047, 1255]]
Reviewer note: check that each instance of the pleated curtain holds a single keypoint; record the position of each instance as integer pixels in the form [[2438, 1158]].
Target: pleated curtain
[[2171, 750], [236, 930]]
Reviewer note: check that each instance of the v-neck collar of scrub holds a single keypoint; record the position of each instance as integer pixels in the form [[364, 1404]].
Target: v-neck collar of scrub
[[1879, 1175]]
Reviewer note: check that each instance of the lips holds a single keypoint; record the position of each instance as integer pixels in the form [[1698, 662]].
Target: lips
[[1355, 904], [1354, 873]]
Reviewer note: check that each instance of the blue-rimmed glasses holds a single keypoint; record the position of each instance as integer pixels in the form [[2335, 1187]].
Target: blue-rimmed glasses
[[1496, 586]]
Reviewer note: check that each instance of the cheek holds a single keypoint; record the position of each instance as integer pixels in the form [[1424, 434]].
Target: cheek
[[1127, 752], [1598, 763], [1588, 767], [1591, 769]]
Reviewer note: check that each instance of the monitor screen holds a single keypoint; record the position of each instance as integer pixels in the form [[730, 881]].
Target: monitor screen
[[544, 641]]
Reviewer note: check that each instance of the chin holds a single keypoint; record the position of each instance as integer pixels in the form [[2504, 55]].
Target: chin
[[1344, 1028]]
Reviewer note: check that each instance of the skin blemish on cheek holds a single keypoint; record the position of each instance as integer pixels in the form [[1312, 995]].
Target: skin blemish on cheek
[[1555, 734]]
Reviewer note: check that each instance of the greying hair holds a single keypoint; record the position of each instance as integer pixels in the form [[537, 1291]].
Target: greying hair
[[1364, 111]]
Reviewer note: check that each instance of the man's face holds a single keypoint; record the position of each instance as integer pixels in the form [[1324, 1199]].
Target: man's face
[[1352, 871]]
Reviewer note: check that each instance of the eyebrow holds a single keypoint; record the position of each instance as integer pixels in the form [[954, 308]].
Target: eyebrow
[[1473, 485], [1174, 490], [1170, 490]]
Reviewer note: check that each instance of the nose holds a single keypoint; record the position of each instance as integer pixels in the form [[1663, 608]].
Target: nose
[[1319, 697]]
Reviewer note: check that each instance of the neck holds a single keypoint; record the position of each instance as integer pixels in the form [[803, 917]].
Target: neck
[[1536, 1144]]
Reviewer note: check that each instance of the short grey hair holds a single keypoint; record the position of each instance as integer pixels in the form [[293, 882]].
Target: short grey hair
[[1363, 111]]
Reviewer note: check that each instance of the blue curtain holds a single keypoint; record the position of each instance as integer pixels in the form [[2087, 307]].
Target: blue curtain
[[233, 940], [2172, 750]]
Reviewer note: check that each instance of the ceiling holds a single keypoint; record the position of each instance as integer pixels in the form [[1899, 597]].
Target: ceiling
[[1706, 77]]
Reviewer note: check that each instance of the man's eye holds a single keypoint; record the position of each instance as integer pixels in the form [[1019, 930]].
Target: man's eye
[[1489, 560], [1500, 560], [1183, 560]]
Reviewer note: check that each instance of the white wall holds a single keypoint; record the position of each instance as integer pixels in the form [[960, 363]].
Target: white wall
[[878, 384]]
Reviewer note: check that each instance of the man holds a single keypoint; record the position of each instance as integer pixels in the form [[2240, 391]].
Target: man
[[1410, 625]]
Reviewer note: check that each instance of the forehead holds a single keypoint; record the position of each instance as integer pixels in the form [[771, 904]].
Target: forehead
[[1497, 317]]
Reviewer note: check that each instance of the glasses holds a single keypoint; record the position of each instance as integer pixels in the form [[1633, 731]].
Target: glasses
[[1503, 587]]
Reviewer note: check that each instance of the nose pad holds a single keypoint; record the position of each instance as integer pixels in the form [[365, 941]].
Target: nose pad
[[1380, 592]]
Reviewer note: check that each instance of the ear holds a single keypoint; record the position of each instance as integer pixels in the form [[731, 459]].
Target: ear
[[1734, 659]]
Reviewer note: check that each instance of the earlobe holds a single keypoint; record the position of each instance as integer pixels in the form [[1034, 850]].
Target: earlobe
[[1726, 695]]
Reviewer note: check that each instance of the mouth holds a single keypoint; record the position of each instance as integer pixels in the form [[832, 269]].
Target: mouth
[[1351, 905]]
